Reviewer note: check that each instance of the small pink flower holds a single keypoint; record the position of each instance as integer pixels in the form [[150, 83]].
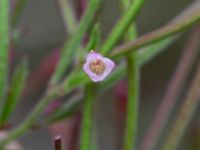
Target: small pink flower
[[98, 67]]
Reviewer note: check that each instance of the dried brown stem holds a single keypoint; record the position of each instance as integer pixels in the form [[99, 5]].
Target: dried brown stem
[[58, 143]]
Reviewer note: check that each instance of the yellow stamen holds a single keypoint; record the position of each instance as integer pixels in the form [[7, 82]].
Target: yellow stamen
[[97, 66]]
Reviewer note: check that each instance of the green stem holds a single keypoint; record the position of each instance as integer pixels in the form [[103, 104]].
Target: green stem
[[117, 33], [77, 78], [176, 26], [15, 91], [85, 141], [74, 80], [93, 42], [4, 48], [70, 48], [132, 106], [82, 78], [185, 114], [94, 39], [27, 124], [133, 89], [67, 14]]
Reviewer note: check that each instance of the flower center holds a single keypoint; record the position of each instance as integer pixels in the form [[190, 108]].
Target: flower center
[[97, 66]]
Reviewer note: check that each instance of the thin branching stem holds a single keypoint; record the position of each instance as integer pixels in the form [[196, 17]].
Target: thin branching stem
[[173, 28], [31, 119], [121, 27], [80, 78], [172, 91], [70, 48], [185, 114]]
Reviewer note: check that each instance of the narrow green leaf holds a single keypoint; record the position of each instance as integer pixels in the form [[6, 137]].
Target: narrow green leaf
[[52, 95], [122, 25], [17, 86], [94, 39], [119, 73], [92, 44], [68, 15], [179, 24], [74, 80], [79, 77], [4, 41], [70, 48], [32, 117], [73, 104]]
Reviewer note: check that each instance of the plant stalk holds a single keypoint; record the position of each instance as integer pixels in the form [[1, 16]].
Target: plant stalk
[[185, 114], [86, 129]]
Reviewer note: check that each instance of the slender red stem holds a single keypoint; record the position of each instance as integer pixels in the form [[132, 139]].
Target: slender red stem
[[172, 91], [186, 112]]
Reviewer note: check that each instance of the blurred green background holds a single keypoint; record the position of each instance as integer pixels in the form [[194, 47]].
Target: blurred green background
[[46, 32]]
